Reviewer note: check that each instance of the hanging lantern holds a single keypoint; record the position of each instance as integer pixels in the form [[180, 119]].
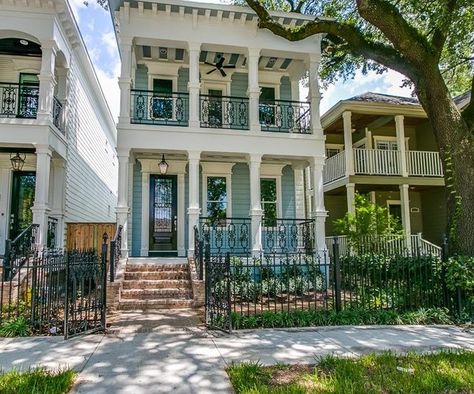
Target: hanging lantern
[[163, 166], [17, 161]]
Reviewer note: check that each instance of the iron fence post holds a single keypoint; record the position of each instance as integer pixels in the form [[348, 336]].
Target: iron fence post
[[112, 260], [66, 297], [105, 237], [201, 260], [337, 275], [228, 277], [7, 260]]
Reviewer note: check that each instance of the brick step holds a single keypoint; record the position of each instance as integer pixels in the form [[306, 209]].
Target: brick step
[[157, 275], [156, 267], [170, 303], [156, 294], [157, 284]]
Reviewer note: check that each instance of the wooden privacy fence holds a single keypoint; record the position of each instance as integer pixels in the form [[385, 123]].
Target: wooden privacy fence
[[85, 236]]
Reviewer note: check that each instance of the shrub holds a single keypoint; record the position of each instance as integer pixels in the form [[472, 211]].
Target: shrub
[[19, 327]]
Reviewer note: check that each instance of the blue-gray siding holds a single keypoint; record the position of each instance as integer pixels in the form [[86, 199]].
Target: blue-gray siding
[[285, 88], [239, 85], [183, 79], [141, 77], [240, 190], [288, 192], [137, 209]]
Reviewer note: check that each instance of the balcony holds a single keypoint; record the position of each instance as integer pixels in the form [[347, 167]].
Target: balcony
[[385, 163], [18, 100], [149, 107], [224, 112], [284, 116]]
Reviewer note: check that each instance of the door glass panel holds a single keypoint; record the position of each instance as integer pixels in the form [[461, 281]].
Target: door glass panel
[[267, 106], [28, 95], [162, 101], [215, 107], [23, 196], [163, 205]]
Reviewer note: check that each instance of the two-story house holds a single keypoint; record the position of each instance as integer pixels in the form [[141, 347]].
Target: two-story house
[[57, 136], [212, 125], [383, 146]]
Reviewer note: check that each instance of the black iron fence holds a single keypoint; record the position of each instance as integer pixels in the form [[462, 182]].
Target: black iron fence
[[149, 107], [224, 112], [288, 235], [52, 239], [115, 252], [285, 116], [58, 115], [18, 100], [18, 251]]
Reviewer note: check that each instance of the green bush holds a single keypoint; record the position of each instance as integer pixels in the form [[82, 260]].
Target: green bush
[[19, 327]]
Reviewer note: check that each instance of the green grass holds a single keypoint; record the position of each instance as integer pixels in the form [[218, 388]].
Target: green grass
[[36, 381], [443, 372], [19, 327]]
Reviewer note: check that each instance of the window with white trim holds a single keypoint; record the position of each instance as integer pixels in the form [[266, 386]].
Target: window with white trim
[[269, 200], [216, 197]]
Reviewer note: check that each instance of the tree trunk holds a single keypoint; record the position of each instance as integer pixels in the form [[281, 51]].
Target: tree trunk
[[456, 144]]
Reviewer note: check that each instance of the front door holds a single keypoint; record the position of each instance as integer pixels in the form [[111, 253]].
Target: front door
[[163, 215], [215, 107], [23, 196]]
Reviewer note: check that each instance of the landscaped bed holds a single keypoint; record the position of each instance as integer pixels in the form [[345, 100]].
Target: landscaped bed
[[444, 372], [36, 381]]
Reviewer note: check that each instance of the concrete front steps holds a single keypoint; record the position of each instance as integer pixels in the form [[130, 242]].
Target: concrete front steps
[[156, 284]]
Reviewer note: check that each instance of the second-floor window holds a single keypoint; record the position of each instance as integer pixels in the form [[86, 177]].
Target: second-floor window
[[162, 102]]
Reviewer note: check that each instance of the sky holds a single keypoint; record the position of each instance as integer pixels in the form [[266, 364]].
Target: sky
[[96, 28]]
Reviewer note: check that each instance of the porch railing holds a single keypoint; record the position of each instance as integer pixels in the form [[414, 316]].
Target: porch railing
[[288, 235], [18, 100], [285, 116], [422, 163], [226, 235], [149, 107], [335, 168], [224, 112], [18, 251], [52, 232], [58, 115], [115, 252], [376, 162]]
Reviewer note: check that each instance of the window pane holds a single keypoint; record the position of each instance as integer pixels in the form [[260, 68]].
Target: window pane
[[268, 190], [216, 189], [269, 213], [217, 210]]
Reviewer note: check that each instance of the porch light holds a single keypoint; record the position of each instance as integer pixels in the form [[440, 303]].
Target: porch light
[[17, 161], [163, 165]]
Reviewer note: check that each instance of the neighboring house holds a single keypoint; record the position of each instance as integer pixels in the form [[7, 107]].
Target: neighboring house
[[57, 137], [384, 146], [211, 124]]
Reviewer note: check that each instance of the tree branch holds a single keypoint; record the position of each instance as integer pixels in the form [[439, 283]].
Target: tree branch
[[440, 32], [359, 44], [468, 113]]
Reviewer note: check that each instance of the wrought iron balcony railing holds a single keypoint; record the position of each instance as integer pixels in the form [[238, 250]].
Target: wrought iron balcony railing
[[150, 107], [18, 100], [288, 235], [226, 235], [224, 112], [285, 116], [58, 114]]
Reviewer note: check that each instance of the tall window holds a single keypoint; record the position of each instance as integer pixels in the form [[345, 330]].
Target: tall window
[[268, 197], [162, 104], [216, 197]]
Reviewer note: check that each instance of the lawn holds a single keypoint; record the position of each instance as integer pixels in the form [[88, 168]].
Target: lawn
[[36, 381], [444, 372]]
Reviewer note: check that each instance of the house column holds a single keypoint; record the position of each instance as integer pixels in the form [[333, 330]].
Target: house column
[[314, 95], [348, 152], [319, 211], [405, 205], [350, 190], [194, 86], [125, 80], [122, 211], [254, 89], [256, 211], [58, 191], [47, 81], [400, 129], [193, 208], [40, 208]]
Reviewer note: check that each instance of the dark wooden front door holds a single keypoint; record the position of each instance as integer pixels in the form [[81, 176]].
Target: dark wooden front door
[[163, 215]]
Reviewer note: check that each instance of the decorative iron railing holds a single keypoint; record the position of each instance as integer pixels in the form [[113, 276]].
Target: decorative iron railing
[[18, 251], [18, 100], [226, 235], [285, 116], [52, 232], [288, 235], [58, 116], [149, 107], [224, 112], [199, 253], [115, 252]]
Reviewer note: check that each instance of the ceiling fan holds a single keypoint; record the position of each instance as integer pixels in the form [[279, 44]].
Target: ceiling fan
[[219, 66]]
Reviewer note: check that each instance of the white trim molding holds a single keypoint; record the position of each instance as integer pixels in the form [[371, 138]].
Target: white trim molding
[[217, 169]]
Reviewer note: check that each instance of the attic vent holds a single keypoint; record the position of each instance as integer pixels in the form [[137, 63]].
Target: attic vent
[[234, 58], [146, 51], [217, 57], [271, 62], [203, 56], [179, 55], [163, 53], [285, 64]]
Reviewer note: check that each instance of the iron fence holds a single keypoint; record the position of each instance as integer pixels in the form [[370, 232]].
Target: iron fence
[[52, 233], [115, 252], [19, 251], [18, 100], [224, 112], [285, 116], [149, 107], [288, 235]]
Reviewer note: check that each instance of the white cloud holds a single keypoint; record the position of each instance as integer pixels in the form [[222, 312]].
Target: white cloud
[[110, 87], [108, 39]]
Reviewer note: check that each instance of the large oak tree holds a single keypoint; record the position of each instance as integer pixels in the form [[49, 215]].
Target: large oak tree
[[430, 42]]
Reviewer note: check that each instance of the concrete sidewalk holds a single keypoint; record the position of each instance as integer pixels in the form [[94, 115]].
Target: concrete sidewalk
[[193, 361]]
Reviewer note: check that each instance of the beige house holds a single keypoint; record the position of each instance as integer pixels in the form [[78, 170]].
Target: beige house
[[384, 146]]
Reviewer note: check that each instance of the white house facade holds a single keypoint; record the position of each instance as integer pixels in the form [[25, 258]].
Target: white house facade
[[57, 138], [212, 125]]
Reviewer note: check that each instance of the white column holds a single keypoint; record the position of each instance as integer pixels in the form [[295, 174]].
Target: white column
[[256, 211], [145, 236], [348, 152], [58, 200], [405, 205], [193, 208], [40, 208], [319, 211], [314, 94], [350, 190], [181, 218], [122, 211], [47, 81], [194, 86], [125, 80], [253, 89], [295, 89], [298, 171], [368, 139], [400, 129]]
